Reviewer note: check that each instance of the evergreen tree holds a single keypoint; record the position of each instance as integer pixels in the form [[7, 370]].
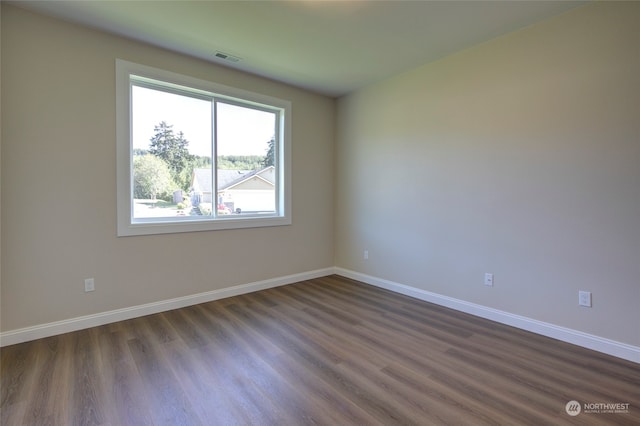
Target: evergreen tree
[[173, 149], [270, 158]]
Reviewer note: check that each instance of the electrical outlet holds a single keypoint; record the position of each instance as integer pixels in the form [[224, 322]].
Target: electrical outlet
[[366, 255], [89, 285], [584, 298], [488, 279]]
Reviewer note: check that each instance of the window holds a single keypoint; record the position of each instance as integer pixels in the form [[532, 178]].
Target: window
[[195, 156]]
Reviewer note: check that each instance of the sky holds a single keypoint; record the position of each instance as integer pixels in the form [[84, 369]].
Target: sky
[[241, 131]]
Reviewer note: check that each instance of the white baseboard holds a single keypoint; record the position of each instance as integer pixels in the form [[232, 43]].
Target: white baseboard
[[600, 344], [54, 328]]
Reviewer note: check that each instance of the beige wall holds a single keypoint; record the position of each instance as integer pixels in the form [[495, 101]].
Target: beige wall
[[0, 166], [59, 184], [518, 157], [521, 157]]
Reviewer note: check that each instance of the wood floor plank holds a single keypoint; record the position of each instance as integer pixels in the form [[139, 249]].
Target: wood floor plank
[[320, 400], [327, 351], [324, 364], [465, 408], [251, 381], [87, 386], [17, 374], [170, 403], [124, 391], [48, 399]]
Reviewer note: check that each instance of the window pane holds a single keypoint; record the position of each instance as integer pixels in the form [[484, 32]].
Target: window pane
[[194, 155], [246, 160], [171, 145]]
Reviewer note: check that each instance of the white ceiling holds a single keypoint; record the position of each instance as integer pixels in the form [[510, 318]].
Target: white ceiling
[[330, 47]]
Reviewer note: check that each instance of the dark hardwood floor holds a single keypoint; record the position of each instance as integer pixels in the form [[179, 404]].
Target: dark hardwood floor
[[326, 351]]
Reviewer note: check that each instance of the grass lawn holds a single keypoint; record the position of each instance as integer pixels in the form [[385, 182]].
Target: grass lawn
[[155, 208]]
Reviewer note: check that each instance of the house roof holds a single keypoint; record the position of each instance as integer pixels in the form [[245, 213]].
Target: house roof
[[226, 178], [257, 173]]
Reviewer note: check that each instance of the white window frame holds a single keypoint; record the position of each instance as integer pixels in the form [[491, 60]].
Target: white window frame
[[127, 224]]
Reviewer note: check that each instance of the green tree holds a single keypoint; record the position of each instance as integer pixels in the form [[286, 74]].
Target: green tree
[[201, 161], [240, 162], [173, 149], [270, 158], [151, 178]]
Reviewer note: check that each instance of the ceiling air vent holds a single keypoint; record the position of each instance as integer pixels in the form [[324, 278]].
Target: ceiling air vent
[[226, 57]]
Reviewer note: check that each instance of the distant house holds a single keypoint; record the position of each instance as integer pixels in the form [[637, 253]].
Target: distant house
[[246, 191]]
